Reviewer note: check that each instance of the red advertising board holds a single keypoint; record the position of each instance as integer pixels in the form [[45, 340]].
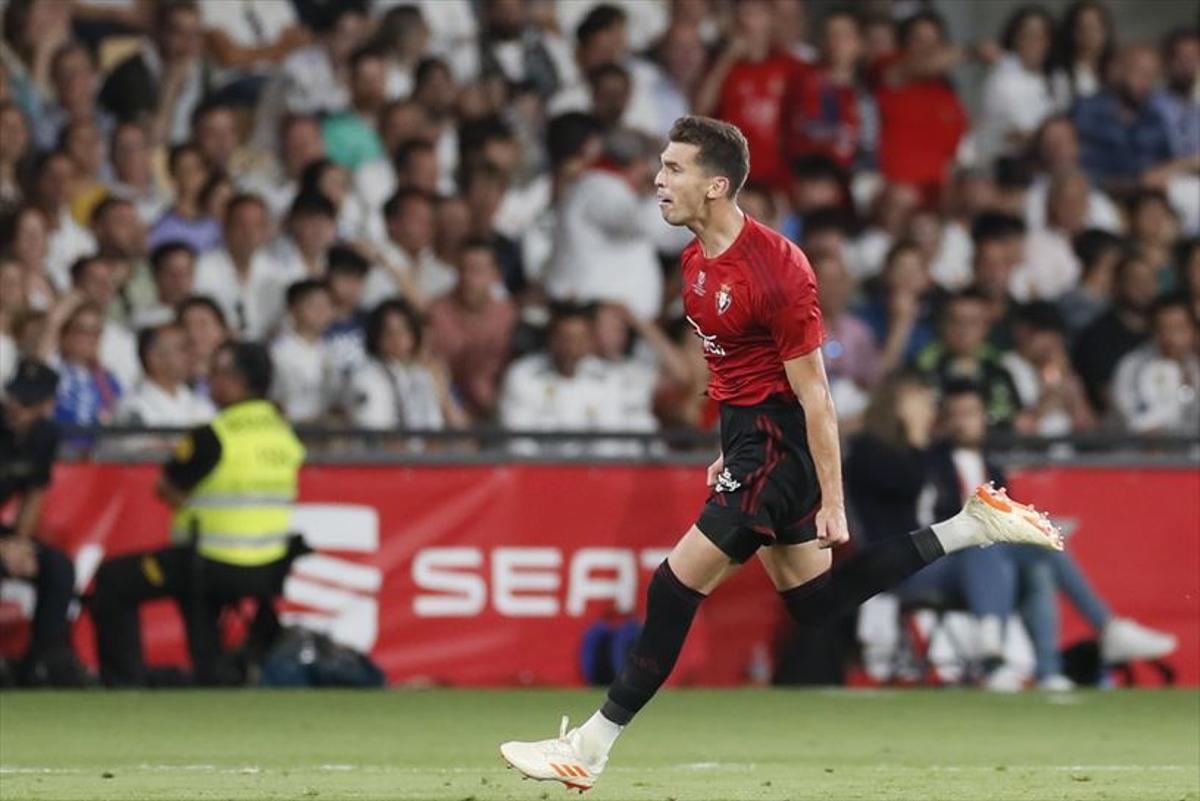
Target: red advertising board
[[491, 574]]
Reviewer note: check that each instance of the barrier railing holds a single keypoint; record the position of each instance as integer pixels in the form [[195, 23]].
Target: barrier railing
[[335, 444]]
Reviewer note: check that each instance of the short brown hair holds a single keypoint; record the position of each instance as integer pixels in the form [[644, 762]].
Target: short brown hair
[[723, 148]]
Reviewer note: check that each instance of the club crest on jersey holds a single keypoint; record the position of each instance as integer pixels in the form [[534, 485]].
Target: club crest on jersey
[[724, 299]]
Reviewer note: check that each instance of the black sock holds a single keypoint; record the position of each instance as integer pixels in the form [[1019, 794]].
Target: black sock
[[864, 573], [670, 607]]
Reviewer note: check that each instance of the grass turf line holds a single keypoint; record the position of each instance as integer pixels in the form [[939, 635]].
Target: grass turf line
[[693, 745]]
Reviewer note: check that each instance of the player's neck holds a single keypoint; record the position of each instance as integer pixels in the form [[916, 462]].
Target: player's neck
[[719, 229]]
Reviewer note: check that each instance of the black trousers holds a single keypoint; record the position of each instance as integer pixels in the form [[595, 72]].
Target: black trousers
[[54, 587], [200, 586]]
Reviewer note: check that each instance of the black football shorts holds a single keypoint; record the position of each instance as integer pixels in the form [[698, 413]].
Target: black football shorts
[[768, 493]]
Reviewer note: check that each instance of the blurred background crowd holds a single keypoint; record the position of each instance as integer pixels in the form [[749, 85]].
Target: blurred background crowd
[[439, 214]]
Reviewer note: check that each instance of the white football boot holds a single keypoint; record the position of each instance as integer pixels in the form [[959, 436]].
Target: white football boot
[[1006, 520], [560, 759]]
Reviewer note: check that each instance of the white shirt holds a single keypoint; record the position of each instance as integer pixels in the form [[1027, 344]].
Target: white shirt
[[1054, 422], [303, 371], [434, 278], [118, 352], [642, 113], [1051, 267], [1102, 212], [636, 379], [1152, 393], [189, 95], [604, 247], [64, 246], [951, 268], [1015, 99], [536, 397], [253, 308], [8, 360], [150, 404], [868, 252], [310, 84], [394, 395]]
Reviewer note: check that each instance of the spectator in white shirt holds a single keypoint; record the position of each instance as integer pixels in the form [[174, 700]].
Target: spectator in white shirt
[[163, 398], [604, 238], [67, 240], [1017, 93], [407, 265], [1051, 267], [354, 221], [564, 388], [314, 77], [278, 181], [404, 36], [345, 335], [242, 277], [309, 231], [602, 41], [1157, 387], [24, 235], [94, 279], [1055, 403], [204, 324], [1055, 148], [133, 172], [395, 390], [302, 385], [173, 267], [121, 238], [642, 358]]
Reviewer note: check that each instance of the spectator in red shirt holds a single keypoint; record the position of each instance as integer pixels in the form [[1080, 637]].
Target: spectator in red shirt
[[746, 87], [822, 106], [921, 118], [471, 328]]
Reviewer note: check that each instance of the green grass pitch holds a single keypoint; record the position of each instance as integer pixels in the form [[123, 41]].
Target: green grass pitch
[[440, 745]]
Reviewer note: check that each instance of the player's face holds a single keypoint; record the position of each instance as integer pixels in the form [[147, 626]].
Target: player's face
[[683, 185]]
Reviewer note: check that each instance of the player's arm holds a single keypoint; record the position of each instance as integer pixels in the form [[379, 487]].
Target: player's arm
[[806, 374]]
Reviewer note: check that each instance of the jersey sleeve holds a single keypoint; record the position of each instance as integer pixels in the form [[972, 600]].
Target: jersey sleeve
[[194, 458], [791, 311]]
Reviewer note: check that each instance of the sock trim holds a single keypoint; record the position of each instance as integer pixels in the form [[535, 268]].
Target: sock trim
[[678, 587], [615, 713], [928, 545], [807, 588]]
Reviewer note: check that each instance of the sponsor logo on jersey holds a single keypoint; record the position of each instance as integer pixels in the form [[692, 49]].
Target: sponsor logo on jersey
[[724, 299], [726, 482], [709, 342]]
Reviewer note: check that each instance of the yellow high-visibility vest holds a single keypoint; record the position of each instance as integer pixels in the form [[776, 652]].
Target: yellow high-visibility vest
[[241, 512]]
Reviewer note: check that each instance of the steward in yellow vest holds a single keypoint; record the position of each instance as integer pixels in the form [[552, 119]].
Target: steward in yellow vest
[[233, 484]]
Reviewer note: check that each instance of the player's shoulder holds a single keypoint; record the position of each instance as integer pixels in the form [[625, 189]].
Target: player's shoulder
[[690, 252], [785, 263]]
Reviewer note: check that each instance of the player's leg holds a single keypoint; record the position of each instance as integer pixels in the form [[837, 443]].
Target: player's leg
[[988, 517], [693, 569]]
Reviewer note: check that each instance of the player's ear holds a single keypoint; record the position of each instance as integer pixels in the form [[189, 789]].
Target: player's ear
[[717, 188]]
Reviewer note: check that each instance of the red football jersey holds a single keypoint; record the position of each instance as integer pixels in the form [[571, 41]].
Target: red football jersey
[[753, 307]]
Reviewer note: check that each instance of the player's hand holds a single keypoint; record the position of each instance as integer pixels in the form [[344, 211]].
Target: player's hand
[[832, 529], [714, 470]]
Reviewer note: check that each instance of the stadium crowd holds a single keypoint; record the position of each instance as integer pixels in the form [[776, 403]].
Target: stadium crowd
[[440, 214]]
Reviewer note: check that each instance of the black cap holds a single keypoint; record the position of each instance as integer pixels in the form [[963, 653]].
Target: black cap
[[33, 383]]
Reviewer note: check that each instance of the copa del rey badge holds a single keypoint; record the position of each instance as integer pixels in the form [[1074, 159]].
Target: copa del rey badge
[[723, 299]]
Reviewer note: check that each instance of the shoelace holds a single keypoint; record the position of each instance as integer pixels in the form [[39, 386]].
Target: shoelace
[[1042, 519]]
